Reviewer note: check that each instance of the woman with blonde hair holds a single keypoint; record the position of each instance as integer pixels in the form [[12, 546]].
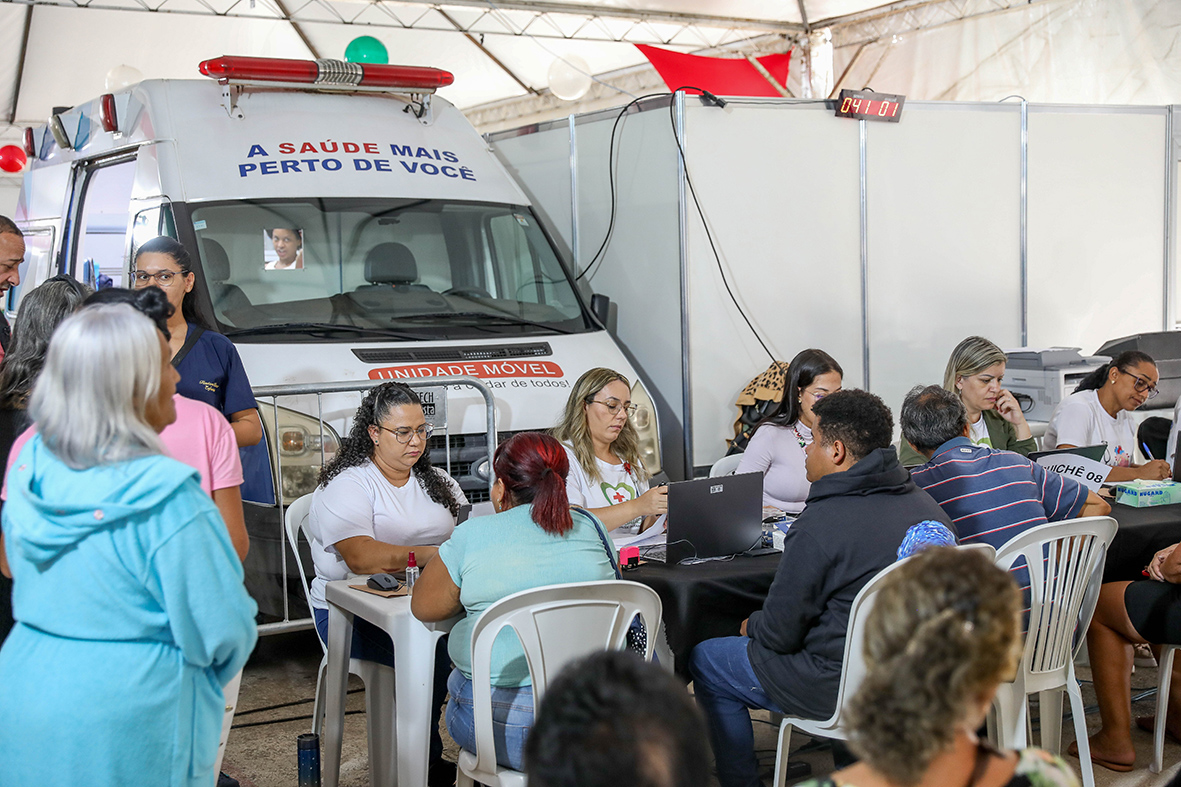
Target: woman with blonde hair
[[975, 372], [606, 474], [944, 632]]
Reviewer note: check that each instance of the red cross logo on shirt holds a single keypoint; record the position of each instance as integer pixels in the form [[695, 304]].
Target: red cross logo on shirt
[[618, 497]]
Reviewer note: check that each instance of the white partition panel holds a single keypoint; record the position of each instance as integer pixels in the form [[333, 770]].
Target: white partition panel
[[943, 195], [1096, 223], [540, 163], [640, 268], [778, 183]]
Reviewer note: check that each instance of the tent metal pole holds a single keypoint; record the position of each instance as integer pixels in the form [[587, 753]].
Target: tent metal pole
[[575, 251], [863, 167], [20, 64], [1024, 231], [1170, 164], [683, 217]]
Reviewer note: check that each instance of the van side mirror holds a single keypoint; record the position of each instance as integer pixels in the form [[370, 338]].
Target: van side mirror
[[605, 311]]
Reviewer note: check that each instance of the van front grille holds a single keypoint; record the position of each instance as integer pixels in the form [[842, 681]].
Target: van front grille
[[476, 352]]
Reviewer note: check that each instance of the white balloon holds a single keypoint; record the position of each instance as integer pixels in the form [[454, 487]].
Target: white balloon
[[123, 76], [569, 78]]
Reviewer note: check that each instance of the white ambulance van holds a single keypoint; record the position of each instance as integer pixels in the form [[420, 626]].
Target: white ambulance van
[[345, 225]]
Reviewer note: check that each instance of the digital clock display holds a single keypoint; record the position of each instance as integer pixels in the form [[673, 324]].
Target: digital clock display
[[867, 105]]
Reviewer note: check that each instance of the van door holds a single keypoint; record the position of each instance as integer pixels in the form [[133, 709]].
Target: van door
[[97, 234], [37, 267]]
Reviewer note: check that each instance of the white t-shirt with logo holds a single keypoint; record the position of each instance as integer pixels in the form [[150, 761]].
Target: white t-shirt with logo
[[619, 484], [979, 435], [361, 501], [1080, 420]]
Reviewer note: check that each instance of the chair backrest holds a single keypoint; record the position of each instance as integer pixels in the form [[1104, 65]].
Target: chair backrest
[[1063, 559], [853, 666], [727, 465], [295, 522], [556, 625]]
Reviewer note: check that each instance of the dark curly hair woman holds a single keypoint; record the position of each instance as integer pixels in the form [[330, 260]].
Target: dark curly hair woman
[[379, 500]]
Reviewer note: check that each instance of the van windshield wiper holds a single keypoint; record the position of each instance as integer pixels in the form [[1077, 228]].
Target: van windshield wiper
[[506, 319], [313, 328]]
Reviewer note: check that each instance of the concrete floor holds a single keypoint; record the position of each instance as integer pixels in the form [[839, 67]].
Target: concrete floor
[[275, 706]]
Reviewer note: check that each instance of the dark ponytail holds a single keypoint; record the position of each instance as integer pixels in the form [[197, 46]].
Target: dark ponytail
[[1095, 380], [533, 467], [357, 448]]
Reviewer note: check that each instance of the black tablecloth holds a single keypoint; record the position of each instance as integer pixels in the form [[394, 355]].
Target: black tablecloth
[[1142, 531], [708, 599]]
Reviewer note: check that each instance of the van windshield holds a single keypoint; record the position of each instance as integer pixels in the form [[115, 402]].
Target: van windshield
[[416, 269]]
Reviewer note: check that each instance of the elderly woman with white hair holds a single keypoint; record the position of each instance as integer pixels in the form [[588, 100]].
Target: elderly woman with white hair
[[131, 613]]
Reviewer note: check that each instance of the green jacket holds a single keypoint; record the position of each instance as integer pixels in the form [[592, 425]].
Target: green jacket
[[1002, 434]]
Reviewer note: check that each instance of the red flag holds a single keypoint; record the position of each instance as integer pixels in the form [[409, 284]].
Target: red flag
[[722, 76]]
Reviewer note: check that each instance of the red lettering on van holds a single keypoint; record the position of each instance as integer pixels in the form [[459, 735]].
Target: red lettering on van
[[483, 370]]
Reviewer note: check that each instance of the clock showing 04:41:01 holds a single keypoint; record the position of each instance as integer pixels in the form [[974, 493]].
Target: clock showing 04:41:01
[[868, 105]]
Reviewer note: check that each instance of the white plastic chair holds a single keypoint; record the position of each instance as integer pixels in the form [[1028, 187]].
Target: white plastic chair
[[378, 678], [1163, 682], [1064, 559], [852, 673], [556, 624], [727, 465]]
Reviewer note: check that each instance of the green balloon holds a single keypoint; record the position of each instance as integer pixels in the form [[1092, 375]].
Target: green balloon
[[366, 49]]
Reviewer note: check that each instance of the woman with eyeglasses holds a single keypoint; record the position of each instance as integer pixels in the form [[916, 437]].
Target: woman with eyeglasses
[[209, 366], [776, 449], [1100, 411], [380, 499], [975, 372], [606, 475]]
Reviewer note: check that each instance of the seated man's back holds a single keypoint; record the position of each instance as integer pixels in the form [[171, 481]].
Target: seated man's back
[[991, 496]]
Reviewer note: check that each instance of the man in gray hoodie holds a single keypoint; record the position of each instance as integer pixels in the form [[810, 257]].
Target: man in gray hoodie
[[788, 658]]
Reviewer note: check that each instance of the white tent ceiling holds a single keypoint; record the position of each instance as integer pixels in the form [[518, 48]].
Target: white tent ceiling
[[58, 52]]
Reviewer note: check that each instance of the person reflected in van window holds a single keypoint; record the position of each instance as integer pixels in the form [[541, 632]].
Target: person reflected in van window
[[209, 366], [288, 245], [606, 475]]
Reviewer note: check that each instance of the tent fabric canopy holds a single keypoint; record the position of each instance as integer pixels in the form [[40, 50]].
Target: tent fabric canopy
[[721, 76]]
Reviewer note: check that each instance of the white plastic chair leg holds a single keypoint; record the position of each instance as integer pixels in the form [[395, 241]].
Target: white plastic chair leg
[[318, 703], [1078, 714], [1164, 681], [1050, 710], [231, 695], [379, 718], [1011, 708], [781, 754]]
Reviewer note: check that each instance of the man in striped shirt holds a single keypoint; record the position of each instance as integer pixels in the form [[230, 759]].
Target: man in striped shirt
[[991, 496]]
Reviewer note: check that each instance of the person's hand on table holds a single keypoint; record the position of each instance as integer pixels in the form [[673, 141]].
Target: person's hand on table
[[1155, 566], [742, 628], [1155, 470]]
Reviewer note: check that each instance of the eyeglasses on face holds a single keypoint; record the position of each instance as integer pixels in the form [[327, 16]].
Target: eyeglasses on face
[[614, 404], [1141, 385], [163, 278], [403, 434]]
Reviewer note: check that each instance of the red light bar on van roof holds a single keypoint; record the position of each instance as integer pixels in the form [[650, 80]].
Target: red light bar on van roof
[[329, 73]]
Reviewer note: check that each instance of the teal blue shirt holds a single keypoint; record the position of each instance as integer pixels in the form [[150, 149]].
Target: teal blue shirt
[[491, 557]]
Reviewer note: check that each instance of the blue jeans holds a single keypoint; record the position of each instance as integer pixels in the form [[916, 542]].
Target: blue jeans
[[371, 643], [512, 716], [727, 688]]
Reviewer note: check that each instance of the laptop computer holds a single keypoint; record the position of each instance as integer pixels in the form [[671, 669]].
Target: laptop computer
[[1093, 452], [713, 517]]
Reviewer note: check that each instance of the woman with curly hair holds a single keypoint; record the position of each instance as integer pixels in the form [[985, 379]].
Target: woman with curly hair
[[380, 499], [606, 474], [944, 632]]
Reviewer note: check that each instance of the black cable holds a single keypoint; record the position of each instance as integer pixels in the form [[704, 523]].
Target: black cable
[[710, 98], [611, 178], [285, 720], [285, 704]]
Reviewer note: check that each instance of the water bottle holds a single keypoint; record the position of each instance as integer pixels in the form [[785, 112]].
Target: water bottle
[[411, 573], [309, 759]]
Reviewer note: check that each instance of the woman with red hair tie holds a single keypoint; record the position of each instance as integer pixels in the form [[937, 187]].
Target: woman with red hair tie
[[534, 539]]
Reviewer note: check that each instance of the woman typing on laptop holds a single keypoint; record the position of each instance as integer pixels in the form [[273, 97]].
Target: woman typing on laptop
[[1100, 411], [606, 475]]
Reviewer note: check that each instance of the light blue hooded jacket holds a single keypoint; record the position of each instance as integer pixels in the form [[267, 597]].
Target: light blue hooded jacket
[[131, 617]]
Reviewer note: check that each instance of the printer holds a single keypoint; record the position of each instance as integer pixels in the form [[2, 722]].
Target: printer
[[1047, 376]]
